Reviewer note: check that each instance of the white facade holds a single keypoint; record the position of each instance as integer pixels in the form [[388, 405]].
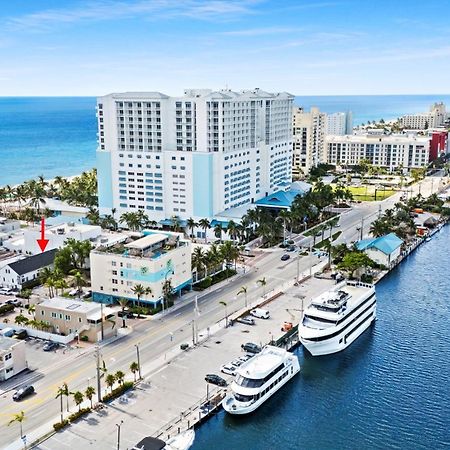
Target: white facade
[[149, 261], [339, 123], [308, 141], [191, 156], [12, 357], [390, 151], [436, 117], [380, 257]]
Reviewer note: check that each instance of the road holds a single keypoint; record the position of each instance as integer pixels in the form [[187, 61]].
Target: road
[[157, 336]]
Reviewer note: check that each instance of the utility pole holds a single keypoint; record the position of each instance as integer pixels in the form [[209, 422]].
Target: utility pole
[[298, 268], [138, 360], [310, 259], [193, 332], [379, 211], [99, 386], [362, 226]]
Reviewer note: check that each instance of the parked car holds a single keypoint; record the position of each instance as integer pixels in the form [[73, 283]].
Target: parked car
[[285, 257], [14, 302], [237, 362], [229, 369], [49, 346], [291, 248], [246, 357], [215, 379], [250, 347], [87, 294], [21, 334], [260, 313], [246, 320], [7, 332], [73, 292], [6, 291], [23, 392]]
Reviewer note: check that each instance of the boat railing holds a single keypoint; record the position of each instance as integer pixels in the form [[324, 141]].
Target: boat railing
[[357, 283]]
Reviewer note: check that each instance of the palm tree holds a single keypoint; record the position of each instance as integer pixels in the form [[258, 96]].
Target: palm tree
[[232, 229], [134, 367], [218, 231], [191, 224], [89, 393], [198, 260], [78, 397], [32, 310], [78, 281], [263, 282], [19, 418], [224, 304], [243, 290], [167, 291], [119, 375], [285, 216], [139, 291], [175, 223], [63, 391], [123, 303], [110, 380], [204, 225]]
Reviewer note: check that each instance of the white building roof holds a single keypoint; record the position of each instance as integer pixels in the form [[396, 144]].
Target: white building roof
[[7, 343], [147, 241], [67, 305]]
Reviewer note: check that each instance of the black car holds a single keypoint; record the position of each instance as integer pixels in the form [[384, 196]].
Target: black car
[[215, 379], [285, 257], [23, 392], [21, 334], [250, 347], [49, 346]]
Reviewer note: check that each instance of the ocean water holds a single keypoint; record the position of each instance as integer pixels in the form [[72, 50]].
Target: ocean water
[[46, 136], [57, 135], [388, 390]]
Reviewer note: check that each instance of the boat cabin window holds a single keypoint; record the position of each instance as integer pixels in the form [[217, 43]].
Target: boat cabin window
[[243, 398], [318, 319], [248, 382]]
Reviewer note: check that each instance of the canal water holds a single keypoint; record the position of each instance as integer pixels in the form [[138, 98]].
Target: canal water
[[389, 390]]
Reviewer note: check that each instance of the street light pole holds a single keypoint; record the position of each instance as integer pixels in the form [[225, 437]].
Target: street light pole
[[118, 425], [138, 360], [99, 387], [101, 321]]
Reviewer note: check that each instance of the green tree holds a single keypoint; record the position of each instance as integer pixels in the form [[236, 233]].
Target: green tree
[[243, 290], [78, 398], [353, 261], [134, 367], [119, 375], [204, 224], [225, 304], [123, 302], [191, 224], [19, 418], [139, 291], [110, 380], [263, 282], [89, 393]]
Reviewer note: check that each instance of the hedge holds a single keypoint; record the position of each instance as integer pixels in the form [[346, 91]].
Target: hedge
[[60, 425], [127, 385], [76, 415], [216, 278]]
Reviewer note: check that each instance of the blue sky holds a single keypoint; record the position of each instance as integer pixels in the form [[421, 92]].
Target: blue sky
[[306, 47]]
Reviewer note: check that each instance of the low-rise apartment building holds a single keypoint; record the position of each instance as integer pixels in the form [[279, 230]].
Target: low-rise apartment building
[[389, 151], [150, 261], [12, 357], [69, 316]]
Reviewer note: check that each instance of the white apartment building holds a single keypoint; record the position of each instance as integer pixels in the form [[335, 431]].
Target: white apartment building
[[390, 151], [152, 260], [191, 156], [308, 139], [12, 357], [339, 123], [435, 118]]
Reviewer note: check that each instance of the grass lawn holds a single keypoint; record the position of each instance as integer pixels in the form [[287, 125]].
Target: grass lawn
[[325, 241], [367, 194]]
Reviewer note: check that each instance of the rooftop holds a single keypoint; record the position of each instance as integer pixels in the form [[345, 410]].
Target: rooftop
[[34, 262], [6, 343], [147, 241], [263, 363], [67, 304], [386, 244]]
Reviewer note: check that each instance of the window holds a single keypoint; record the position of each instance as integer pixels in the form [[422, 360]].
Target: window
[[67, 317]]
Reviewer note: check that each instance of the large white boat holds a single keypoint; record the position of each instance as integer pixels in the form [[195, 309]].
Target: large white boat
[[336, 318], [259, 378], [182, 441]]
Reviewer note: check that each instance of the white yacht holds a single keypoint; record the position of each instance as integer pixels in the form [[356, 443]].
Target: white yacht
[[182, 441], [336, 318], [259, 378]]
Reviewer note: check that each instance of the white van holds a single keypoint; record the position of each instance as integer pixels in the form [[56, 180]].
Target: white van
[[7, 332], [260, 313]]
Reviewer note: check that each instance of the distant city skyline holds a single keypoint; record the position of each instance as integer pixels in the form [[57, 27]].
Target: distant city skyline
[[308, 47]]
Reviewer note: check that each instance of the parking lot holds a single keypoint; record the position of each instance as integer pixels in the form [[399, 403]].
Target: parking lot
[[180, 384]]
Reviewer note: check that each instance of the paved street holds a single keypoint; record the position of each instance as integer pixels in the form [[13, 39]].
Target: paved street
[[157, 336]]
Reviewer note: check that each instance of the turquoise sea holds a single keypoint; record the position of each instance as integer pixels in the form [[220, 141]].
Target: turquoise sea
[[57, 135], [388, 390]]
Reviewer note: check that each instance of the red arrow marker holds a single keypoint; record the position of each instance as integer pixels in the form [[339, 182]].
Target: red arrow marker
[[42, 241]]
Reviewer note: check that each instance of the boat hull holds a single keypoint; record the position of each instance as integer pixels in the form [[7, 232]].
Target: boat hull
[[228, 402], [342, 340]]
